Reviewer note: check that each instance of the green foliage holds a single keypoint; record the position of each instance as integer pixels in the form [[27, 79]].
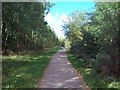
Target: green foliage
[[72, 28], [25, 71], [98, 39], [94, 81], [107, 33], [24, 27], [67, 43], [82, 41], [104, 64]]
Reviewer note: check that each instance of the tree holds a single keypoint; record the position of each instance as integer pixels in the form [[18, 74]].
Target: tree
[[24, 27], [99, 37]]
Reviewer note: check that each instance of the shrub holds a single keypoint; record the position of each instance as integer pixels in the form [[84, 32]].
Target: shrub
[[106, 65]]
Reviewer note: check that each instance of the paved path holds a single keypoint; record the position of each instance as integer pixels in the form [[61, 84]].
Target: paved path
[[60, 74]]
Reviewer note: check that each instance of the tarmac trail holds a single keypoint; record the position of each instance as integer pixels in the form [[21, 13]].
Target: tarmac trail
[[60, 74]]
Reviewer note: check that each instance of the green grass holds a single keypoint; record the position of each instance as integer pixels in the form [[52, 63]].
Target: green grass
[[24, 71], [93, 81]]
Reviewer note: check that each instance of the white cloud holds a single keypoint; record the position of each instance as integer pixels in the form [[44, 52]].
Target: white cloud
[[64, 18], [55, 22], [49, 18], [57, 14]]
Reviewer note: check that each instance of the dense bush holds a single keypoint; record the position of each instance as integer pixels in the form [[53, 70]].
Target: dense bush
[[107, 63], [98, 40]]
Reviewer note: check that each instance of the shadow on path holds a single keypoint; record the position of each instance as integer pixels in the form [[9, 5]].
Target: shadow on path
[[60, 73]]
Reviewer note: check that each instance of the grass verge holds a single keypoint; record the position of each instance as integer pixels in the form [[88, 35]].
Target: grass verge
[[24, 71], [94, 81]]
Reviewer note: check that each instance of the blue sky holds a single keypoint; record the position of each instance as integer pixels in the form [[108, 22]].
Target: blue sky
[[69, 7], [60, 11]]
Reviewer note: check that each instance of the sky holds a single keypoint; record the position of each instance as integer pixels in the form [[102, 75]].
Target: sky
[[61, 11]]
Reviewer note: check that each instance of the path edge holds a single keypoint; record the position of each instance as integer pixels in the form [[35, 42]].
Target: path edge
[[46, 69], [79, 75]]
